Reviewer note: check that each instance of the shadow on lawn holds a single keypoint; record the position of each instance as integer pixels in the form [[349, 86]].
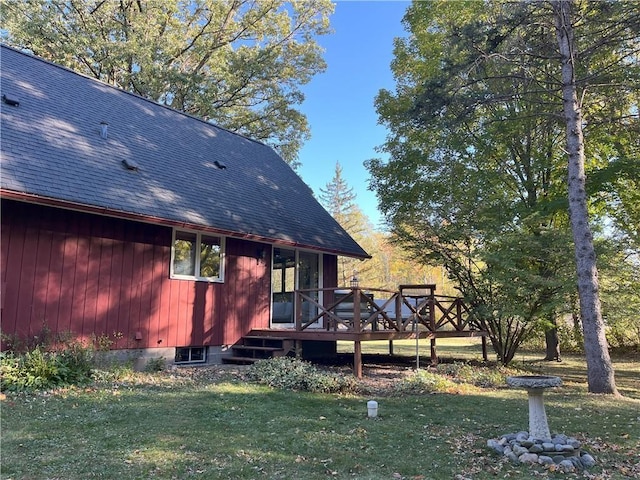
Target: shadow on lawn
[[238, 431]]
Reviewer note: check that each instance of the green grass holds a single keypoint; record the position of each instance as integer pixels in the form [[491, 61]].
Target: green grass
[[572, 369], [177, 425]]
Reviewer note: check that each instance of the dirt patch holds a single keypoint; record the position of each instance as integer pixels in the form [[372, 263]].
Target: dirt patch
[[380, 373]]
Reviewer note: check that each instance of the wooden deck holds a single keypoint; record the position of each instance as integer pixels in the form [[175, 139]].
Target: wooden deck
[[364, 314]]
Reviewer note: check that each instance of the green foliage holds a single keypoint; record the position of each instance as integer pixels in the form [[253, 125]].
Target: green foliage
[[452, 378], [293, 374], [476, 176], [424, 381], [239, 64], [569, 337], [39, 369], [485, 377], [155, 365]]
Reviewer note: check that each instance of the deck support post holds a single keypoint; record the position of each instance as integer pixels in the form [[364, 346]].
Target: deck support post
[[434, 355], [357, 358], [390, 347]]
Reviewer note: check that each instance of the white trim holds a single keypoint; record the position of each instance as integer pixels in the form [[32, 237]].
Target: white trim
[[199, 235], [190, 360], [297, 251]]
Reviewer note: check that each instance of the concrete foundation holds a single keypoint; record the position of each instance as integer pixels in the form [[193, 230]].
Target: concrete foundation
[[140, 357]]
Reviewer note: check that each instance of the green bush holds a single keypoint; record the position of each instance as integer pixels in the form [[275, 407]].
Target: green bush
[[292, 374], [155, 365], [40, 369], [486, 377], [424, 381]]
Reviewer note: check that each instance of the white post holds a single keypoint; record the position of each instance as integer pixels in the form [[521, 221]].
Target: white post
[[372, 408], [538, 425]]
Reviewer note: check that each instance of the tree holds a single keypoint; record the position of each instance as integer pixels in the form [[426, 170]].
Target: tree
[[238, 63], [390, 265], [599, 368], [460, 192], [476, 176], [339, 200]]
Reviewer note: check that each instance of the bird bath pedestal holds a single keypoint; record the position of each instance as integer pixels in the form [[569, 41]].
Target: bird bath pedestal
[[535, 386]]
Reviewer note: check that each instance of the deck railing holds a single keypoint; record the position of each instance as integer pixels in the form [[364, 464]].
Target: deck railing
[[357, 309]]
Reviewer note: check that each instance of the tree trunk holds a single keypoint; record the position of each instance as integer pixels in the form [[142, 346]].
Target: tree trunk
[[553, 344], [600, 376]]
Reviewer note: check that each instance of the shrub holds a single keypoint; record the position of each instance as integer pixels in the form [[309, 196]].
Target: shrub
[[486, 377], [424, 381], [40, 369], [155, 365], [293, 374]]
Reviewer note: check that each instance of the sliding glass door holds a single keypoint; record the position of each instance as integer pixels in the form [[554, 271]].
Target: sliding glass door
[[293, 269]]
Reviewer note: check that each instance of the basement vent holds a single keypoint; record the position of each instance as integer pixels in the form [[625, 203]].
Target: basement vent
[[130, 164], [10, 101], [219, 165]]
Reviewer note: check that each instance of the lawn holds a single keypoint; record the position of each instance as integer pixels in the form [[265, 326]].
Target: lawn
[[211, 424]]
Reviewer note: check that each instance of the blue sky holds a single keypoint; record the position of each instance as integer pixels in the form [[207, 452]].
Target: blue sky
[[339, 103]]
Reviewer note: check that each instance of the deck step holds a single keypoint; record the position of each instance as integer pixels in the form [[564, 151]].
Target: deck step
[[252, 348], [257, 348], [239, 360]]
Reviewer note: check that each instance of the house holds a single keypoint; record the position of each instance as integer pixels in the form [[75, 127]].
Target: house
[[145, 227]]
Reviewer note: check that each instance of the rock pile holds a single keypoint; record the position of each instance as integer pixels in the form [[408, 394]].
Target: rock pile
[[561, 450]]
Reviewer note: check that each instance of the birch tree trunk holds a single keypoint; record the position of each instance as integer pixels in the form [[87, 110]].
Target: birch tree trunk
[[600, 374]]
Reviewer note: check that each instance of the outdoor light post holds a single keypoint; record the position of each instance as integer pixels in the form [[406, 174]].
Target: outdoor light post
[[355, 283]]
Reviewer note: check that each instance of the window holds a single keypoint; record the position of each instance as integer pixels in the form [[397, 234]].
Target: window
[[191, 354], [197, 256]]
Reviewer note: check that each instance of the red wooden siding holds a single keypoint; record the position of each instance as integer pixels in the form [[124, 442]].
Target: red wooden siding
[[330, 271], [94, 276]]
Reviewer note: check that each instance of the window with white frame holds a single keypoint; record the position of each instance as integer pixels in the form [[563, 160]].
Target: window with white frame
[[197, 256], [191, 354]]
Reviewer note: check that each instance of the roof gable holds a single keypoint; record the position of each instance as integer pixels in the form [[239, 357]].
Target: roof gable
[[53, 149]]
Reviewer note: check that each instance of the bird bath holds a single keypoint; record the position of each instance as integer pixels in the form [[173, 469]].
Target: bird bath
[[535, 386]]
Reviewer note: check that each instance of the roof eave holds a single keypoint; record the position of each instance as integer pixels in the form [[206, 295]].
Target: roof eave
[[107, 212]]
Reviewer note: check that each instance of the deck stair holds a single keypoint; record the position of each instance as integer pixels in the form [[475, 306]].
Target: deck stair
[[252, 348]]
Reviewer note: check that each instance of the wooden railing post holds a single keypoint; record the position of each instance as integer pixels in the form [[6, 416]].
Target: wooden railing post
[[357, 358], [399, 321], [298, 311], [432, 313], [356, 309]]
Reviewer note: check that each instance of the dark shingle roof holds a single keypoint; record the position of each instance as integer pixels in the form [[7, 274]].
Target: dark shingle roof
[[52, 149]]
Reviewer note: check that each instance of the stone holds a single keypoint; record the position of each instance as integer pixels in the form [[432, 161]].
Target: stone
[[512, 457], [536, 448], [576, 462], [587, 460], [574, 443], [563, 451], [519, 450], [560, 439], [528, 458], [496, 446], [545, 460], [567, 466]]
